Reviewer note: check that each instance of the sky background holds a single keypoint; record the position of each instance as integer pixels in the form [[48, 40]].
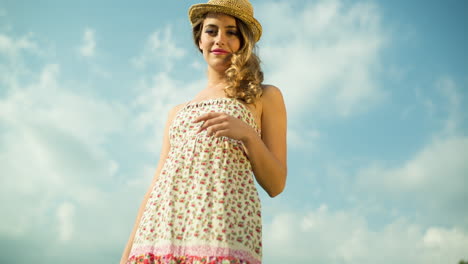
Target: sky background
[[377, 130]]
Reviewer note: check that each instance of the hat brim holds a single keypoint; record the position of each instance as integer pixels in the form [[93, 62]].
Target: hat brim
[[199, 10]]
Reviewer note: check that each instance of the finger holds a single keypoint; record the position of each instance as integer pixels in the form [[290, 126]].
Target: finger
[[211, 122], [215, 128], [220, 133], [200, 128], [205, 117]]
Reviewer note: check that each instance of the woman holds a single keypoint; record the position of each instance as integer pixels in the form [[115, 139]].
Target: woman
[[203, 206]]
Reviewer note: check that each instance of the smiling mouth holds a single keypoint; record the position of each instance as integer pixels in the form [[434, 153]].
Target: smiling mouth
[[219, 52]]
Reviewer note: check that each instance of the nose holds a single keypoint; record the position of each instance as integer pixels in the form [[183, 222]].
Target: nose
[[221, 38]]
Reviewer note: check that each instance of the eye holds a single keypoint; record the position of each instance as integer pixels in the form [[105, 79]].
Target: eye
[[233, 33], [211, 31]]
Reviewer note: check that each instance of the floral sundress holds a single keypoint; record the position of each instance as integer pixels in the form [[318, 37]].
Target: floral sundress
[[204, 207]]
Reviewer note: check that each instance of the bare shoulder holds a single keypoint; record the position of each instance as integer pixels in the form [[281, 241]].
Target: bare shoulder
[[274, 117], [272, 96], [174, 110], [271, 92]]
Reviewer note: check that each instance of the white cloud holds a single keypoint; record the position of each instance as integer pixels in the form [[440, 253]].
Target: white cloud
[[326, 57], [11, 47], [161, 49], [161, 90], [431, 183], [52, 147], [155, 99], [449, 90], [65, 217], [438, 239], [88, 46], [439, 168], [87, 49], [158, 92], [197, 65], [5, 25], [57, 169], [445, 101], [46, 102], [13, 67], [325, 236], [303, 138], [434, 179]]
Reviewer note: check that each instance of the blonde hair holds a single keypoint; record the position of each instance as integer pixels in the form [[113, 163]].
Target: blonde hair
[[244, 75]]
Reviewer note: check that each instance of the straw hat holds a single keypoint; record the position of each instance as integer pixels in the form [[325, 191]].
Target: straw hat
[[241, 9]]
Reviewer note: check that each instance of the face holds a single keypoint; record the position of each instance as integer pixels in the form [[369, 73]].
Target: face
[[219, 38]]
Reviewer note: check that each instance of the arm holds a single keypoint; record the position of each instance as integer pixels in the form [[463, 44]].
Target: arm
[[164, 153], [268, 154]]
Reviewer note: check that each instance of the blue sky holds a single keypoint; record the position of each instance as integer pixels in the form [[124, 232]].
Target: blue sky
[[377, 130]]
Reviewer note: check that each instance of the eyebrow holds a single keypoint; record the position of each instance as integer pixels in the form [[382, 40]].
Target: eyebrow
[[212, 25]]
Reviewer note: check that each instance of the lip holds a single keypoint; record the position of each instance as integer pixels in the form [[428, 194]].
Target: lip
[[219, 52]]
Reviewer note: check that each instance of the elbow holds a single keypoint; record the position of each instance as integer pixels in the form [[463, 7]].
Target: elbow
[[275, 192], [278, 189]]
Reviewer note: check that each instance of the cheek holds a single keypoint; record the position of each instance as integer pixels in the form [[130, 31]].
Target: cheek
[[200, 43], [204, 43], [235, 45]]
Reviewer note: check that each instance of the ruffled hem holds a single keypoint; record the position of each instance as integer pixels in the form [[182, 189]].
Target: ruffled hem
[[150, 258]]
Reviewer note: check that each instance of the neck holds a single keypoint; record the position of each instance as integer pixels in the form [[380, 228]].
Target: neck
[[215, 79]]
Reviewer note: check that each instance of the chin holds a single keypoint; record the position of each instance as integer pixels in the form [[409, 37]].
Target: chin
[[218, 63], [220, 67]]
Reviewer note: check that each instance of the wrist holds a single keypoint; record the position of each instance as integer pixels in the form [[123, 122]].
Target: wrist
[[249, 137]]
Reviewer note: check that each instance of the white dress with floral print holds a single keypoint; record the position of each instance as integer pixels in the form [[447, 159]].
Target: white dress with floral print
[[204, 207]]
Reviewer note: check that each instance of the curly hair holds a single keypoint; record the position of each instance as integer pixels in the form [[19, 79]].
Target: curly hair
[[244, 75]]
